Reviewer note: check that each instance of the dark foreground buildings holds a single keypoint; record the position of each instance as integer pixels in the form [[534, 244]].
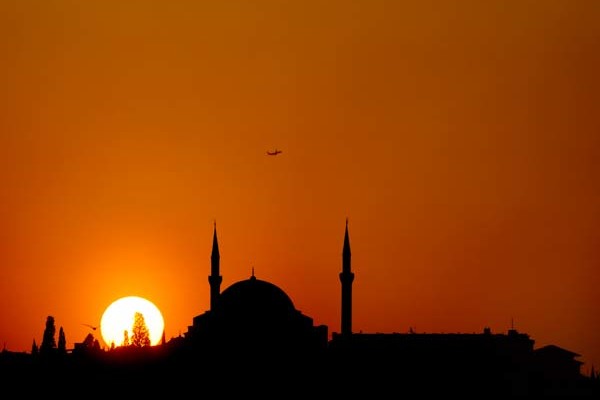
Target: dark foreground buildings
[[254, 341]]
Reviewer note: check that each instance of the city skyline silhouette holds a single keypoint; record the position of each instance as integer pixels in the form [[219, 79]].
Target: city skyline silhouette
[[255, 323]]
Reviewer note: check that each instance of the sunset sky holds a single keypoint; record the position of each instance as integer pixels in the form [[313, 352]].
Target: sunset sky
[[460, 139]]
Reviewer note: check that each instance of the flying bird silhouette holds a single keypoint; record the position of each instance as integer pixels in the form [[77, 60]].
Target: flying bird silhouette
[[93, 327]]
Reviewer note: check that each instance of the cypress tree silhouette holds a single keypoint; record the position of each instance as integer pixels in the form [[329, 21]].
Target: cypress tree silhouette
[[125, 338], [141, 335], [48, 341], [62, 341]]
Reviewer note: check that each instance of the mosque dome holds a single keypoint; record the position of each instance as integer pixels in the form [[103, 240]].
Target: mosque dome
[[255, 298], [253, 316]]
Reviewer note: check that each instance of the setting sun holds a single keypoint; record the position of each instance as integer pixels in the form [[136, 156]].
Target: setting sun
[[119, 317]]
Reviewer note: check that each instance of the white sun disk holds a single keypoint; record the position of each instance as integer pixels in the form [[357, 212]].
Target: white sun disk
[[119, 317]]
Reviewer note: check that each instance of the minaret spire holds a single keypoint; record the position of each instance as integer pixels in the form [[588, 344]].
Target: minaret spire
[[346, 278], [214, 279]]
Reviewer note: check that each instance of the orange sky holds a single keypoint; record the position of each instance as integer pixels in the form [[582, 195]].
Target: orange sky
[[462, 141]]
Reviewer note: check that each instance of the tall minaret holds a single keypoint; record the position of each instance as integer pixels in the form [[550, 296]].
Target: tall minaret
[[346, 278], [214, 278]]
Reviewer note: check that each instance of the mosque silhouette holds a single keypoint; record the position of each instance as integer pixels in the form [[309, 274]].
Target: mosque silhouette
[[253, 315], [254, 322], [253, 338]]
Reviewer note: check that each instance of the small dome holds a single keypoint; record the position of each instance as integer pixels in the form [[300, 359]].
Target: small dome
[[255, 297]]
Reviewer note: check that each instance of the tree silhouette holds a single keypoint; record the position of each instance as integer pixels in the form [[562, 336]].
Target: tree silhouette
[[88, 342], [125, 338], [48, 341], [141, 335], [62, 341], [34, 348]]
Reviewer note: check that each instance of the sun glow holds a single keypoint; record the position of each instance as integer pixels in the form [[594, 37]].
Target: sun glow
[[119, 317]]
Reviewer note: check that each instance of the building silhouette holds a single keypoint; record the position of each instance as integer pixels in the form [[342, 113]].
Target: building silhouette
[[253, 338], [255, 319]]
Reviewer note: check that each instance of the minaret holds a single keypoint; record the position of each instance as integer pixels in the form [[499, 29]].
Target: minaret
[[346, 278], [214, 278]]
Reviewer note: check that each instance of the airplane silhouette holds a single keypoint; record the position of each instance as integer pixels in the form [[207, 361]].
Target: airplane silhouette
[[93, 327], [273, 153]]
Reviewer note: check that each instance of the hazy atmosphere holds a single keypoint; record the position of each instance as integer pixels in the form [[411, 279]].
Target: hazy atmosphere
[[460, 139]]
